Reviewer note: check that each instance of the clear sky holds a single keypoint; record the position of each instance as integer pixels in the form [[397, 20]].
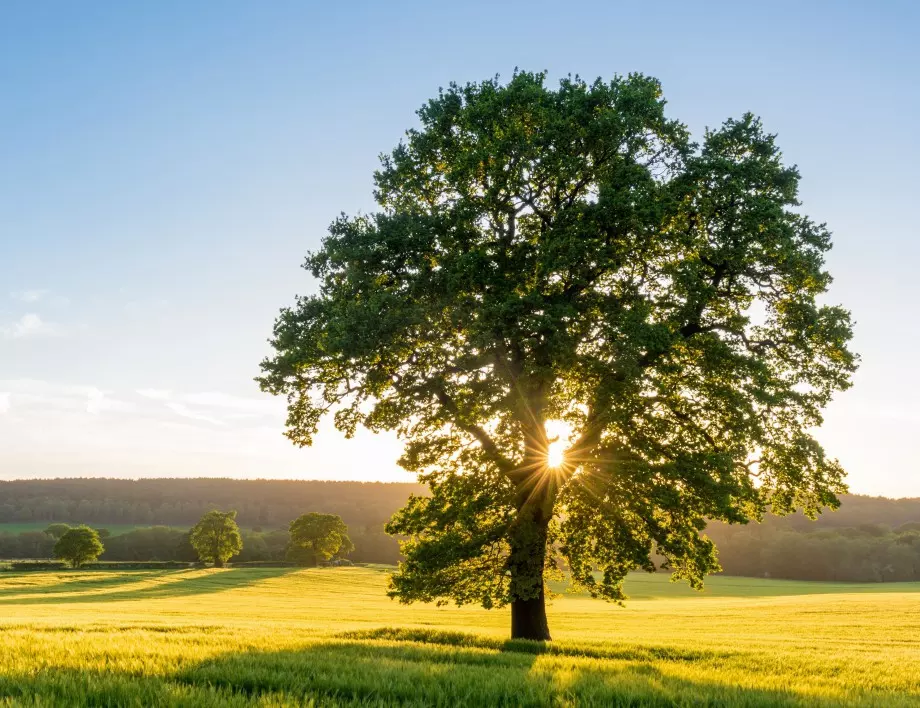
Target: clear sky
[[165, 166]]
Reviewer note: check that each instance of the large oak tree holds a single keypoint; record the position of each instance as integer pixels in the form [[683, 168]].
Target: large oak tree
[[566, 262]]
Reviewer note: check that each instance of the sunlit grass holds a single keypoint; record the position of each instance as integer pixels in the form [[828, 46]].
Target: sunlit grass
[[331, 637]]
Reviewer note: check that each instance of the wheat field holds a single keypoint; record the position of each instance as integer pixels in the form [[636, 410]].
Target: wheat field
[[331, 637]]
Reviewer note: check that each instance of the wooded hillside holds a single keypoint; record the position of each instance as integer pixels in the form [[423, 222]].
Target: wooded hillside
[[869, 539], [180, 502]]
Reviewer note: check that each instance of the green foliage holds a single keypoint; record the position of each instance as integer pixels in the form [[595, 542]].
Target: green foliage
[[148, 544], [57, 530], [318, 537], [216, 537], [29, 544], [263, 546], [371, 545], [184, 548], [37, 565], [870, 553], [78, 546], [568, 257]]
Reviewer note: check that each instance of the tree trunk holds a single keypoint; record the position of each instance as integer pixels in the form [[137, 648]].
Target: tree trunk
[[535, 496], [528, 619], [218, 563], [526, 562]]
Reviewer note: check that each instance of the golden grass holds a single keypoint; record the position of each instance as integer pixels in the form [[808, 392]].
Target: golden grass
[[332, 637]]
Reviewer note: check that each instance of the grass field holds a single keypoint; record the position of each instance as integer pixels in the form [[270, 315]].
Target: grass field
[[325, 637]]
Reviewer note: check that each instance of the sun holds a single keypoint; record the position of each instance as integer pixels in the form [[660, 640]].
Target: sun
[[555, 455]]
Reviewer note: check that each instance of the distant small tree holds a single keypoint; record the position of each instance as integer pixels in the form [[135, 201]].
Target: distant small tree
[[216, 538], [78, 546], [57, 530], [318, 537], [104, 533]]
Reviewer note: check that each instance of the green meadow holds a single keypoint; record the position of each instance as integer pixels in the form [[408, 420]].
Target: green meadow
[[331, 637]]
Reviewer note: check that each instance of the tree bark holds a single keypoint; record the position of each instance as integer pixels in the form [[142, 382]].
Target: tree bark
[[536, 495], [526, 562], [528, 619]]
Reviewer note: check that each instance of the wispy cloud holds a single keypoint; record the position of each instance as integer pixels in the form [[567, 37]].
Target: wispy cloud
[[57, 429], [156, 394], [28, 295], [30, 325], [39, 295], [239, 404], [138, 307], [98, 401], [217, 405], [35, 395], [186, 412], [32, 396]]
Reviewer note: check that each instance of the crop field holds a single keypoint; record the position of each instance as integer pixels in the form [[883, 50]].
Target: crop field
[[330, 637]]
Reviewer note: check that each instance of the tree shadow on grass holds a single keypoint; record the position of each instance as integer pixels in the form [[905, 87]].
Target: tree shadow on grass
[[71, 581], [463, 639], [430, 670], [388, 672], [168, 584]]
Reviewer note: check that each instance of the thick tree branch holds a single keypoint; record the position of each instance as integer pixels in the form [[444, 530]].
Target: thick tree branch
[[485, 440]]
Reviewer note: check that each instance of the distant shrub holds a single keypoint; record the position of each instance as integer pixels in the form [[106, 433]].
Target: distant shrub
[[100, 565], [154, 543], [137, 565], [38, 565]]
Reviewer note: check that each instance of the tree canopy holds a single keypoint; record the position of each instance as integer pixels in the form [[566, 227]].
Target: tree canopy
[[216, 537], [318, 537], [592, 333], [78, 546]]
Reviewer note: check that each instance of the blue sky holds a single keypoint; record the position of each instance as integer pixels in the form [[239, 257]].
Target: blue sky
[[164, 167]]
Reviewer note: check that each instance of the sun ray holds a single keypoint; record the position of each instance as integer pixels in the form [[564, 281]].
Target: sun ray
[[555, 455]]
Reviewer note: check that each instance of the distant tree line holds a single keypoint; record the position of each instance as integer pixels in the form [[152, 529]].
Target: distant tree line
[[869, 539], [161, 543], [264, 510], [270, 504], [310, 539], [867, 553]]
